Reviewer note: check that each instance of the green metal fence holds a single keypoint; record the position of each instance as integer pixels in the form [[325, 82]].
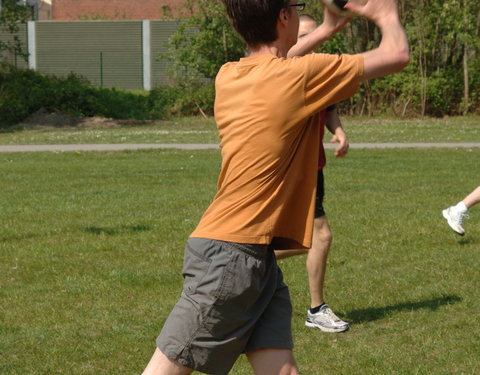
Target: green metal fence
[[121, 54]]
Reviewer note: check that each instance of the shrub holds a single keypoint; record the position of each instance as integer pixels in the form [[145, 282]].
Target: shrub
[[196, 99], [19, 94], [120, 104], [182, 100], [161, 101], [23, 92]]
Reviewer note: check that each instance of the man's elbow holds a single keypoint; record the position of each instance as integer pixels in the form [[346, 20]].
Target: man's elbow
[[402, 59], [382, 62]]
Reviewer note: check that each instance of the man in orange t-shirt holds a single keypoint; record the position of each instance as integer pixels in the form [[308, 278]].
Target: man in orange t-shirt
[[234, 299]]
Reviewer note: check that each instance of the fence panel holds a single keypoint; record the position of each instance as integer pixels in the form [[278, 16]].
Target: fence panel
[[160, 34], [108, 54]]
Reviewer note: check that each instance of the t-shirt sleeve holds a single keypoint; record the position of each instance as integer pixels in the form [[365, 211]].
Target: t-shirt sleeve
[[329, 79]]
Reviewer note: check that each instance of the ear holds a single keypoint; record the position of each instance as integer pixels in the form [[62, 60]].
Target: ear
[[283, 17]]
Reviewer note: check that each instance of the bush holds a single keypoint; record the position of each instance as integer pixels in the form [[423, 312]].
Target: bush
[[23, 92], [161, 101], [444, 95], [196, 99], [20, 94], [182, 100], [120, 104]]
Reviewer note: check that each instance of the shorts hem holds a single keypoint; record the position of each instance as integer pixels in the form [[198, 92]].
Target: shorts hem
[[277, 345]]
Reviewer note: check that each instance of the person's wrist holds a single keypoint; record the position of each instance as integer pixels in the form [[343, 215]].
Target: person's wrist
[[387, 22], [327, 30]]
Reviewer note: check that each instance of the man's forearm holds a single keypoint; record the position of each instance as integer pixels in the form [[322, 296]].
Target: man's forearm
[[392, 55], [332, 121], [310, 42]]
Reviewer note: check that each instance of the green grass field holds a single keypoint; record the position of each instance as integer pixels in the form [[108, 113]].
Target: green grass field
[[91, 249], [199, 130]]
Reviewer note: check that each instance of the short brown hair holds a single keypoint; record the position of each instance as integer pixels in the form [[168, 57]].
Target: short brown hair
[[255, 20]]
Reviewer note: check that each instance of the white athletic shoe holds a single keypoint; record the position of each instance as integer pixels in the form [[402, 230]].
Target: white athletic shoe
[[455, 219], [326, 320]]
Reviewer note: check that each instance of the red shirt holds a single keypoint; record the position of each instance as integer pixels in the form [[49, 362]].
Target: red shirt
[[322, 160]]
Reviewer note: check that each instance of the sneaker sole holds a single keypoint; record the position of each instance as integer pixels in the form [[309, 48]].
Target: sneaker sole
[[451, 224], [326, 329]]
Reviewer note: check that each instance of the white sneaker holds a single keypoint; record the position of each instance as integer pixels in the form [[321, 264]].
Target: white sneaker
[[455, 219], [326, 320]]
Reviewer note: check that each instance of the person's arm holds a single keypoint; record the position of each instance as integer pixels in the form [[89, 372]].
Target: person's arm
[[332, 23], [392, 55], [334, 126]]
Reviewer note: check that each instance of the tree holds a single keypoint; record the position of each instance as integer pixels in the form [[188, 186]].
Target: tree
[[443, 77], [203, 42], [11, 16]]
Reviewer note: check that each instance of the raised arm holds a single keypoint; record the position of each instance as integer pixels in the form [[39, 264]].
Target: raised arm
[[332, 23], [392, 54]]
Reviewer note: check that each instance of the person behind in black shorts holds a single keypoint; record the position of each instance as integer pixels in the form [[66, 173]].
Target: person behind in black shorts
[[319, 315]]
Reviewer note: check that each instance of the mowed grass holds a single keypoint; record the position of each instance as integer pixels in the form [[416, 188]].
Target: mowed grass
[[200, 130], [91, 248], [180, 130]]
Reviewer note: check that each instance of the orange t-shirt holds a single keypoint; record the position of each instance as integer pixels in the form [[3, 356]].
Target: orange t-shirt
[[267, 114]]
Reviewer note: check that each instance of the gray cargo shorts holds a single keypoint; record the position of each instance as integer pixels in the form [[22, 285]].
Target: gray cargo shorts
[[233, 301]]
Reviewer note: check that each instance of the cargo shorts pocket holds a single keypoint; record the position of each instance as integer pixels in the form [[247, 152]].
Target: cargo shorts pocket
[[195, 267]]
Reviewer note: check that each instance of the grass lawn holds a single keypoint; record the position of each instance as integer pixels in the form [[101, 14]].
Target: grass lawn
[[91, 250], [200, 130]]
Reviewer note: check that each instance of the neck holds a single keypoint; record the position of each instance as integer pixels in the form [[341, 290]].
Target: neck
[[276, 49]]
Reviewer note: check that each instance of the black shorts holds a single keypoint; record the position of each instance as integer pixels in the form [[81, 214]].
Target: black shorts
[[319, 211]]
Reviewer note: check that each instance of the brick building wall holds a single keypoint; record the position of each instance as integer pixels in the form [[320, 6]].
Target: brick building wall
[[70, 10]]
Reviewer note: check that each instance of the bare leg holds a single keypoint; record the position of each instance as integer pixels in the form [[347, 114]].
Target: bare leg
[[317, 259], [161, 365], [473, 198], [273, 362]]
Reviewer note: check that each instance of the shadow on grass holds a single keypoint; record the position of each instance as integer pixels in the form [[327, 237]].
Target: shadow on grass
[[11, 238], [376, 313], [112, 231], [466, 241]]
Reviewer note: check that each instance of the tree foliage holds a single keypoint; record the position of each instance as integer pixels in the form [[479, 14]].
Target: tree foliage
[[443, 77], [11, 16], [204, 41]]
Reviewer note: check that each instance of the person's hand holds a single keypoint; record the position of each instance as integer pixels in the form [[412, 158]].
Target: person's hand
[[333, 21], [340, 137], [378, 11]]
